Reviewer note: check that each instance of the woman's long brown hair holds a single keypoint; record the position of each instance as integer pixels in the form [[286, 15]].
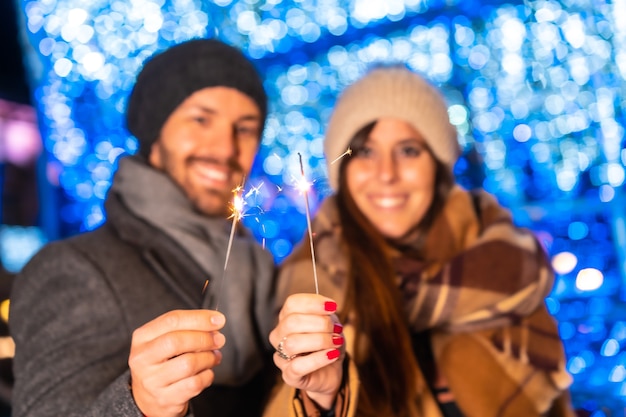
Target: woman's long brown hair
[[387, 366]]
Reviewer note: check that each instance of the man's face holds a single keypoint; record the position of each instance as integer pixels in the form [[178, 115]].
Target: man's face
[[208, 144]]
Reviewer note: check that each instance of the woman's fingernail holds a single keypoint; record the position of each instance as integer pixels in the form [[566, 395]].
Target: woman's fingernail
[[338, 340], [333, 354], [337, 328], [330, 306]]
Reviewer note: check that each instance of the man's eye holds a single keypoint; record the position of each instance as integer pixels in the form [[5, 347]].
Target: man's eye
[[247, 131]]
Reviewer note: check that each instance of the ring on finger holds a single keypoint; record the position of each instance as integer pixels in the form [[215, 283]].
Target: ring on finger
[[280, 350]]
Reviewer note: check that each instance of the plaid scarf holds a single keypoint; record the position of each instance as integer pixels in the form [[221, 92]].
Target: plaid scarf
[[478, 285], [475, 273]]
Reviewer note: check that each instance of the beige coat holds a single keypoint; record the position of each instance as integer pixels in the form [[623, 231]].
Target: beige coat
[[493, 370]]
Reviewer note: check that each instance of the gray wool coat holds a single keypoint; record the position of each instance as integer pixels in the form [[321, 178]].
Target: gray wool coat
[[76, 303]]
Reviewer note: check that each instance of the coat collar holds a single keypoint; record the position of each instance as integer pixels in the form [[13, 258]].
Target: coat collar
[[160, 252]]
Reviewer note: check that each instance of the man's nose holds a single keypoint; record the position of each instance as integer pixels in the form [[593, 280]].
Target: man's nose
[[223, 141]]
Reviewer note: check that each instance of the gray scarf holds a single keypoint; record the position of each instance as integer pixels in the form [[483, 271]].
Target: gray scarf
[[154, 197], [151, 195]]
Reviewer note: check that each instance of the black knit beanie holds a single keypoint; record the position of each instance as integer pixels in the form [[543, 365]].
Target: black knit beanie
[[171, 76]]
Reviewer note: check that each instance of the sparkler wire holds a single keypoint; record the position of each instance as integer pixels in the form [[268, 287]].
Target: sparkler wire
[[236, 216], [308, 223]]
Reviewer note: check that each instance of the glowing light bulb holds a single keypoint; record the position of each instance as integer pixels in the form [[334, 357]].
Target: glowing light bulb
[[564, 262], [589, 279]]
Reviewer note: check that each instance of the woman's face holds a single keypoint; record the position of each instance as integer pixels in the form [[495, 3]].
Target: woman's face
[[391, 177]]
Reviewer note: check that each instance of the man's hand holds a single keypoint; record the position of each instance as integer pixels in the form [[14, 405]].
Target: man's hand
[[172, 358]]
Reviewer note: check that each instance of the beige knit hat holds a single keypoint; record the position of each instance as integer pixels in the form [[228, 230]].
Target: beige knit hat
[[391, 91]]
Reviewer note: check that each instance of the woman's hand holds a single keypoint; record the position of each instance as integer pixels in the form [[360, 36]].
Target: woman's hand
[[310, 346]]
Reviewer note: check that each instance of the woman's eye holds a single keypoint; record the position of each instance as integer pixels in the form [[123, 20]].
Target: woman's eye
[[200, 120], [362, 152], [411, 151]]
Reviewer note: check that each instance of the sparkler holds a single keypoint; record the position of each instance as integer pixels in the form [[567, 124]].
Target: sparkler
[[237, 214], [347, 152], [304, 187]]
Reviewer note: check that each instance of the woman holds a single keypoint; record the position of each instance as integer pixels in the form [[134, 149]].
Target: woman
[[439, 294]]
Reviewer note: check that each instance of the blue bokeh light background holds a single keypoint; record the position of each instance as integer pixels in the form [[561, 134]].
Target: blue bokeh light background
[[536, 90]]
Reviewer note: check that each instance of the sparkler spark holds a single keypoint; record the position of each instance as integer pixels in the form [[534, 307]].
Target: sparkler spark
[[237, 206], [255, 190], [347, 152], [263, 229], [304, 186]]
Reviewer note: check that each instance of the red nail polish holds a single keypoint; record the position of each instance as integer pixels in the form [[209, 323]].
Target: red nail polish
[[330, 306], [333, 354], [337, 328], [338, 340]]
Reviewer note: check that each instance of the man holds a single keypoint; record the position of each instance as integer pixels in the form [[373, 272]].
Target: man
[[115, 322]]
